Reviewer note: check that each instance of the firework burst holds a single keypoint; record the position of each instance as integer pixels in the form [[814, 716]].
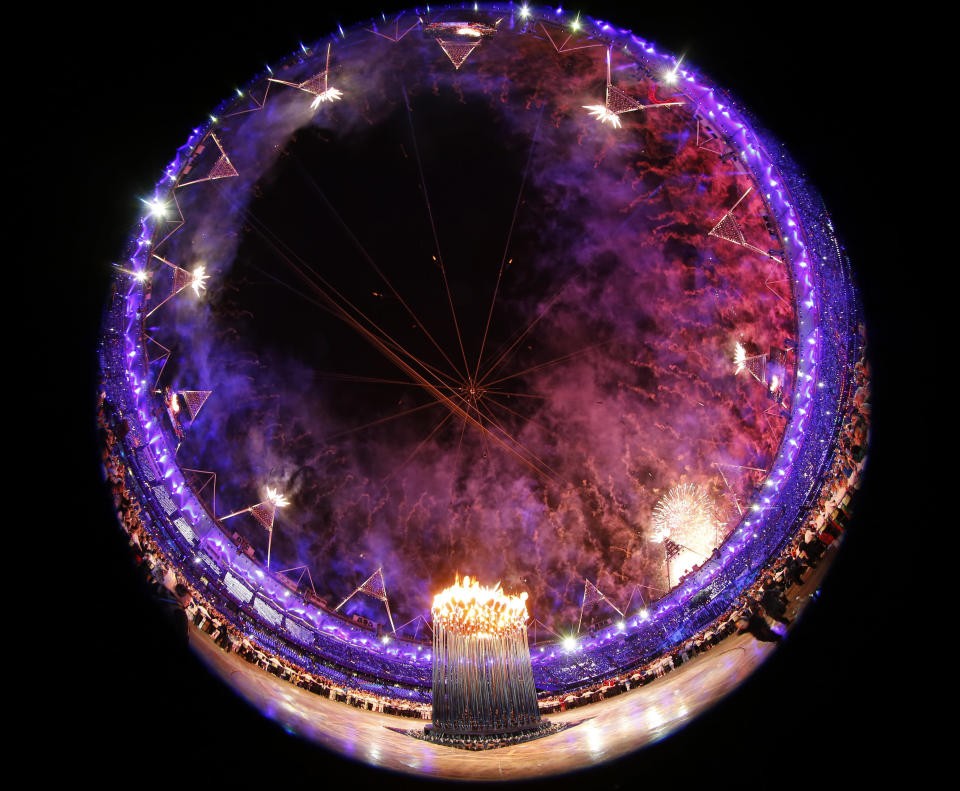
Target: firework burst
[[329, 95], [603, 115], [685, 515], [739, 358], [198, 280], [277, 498]]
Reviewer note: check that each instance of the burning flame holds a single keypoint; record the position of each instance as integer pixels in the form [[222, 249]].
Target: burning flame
[[329, 95], [275, 497], [603, 115], [471, 608]]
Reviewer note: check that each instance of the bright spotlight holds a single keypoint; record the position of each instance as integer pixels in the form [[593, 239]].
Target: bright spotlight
[[157, 207]]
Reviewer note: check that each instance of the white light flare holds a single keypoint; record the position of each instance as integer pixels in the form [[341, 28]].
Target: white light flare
[[157, 207], [603, 115], [199, 281], [329, 95], [739, 358], [275, 497], [670, 77]]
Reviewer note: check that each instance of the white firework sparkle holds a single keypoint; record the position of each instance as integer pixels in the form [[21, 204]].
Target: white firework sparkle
[[329, 95], [199, 279], [275, 497], [603, 115], [685, 515], [739, 358]]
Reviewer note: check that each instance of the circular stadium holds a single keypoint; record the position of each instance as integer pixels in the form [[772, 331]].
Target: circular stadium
[[487, 290]]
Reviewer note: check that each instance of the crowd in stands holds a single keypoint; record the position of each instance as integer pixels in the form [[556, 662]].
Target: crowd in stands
[[768, 598], [374, 664], [763, 602], [167, 582]]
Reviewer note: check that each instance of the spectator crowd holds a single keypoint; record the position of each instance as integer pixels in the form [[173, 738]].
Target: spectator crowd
[[761, 610]]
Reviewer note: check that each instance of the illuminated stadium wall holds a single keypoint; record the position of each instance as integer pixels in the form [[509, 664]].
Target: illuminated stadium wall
[[828, 344]]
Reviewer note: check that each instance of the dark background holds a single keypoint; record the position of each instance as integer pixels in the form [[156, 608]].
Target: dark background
[[118, 94]]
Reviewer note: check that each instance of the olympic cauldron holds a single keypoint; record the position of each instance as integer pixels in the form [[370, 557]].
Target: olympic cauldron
[[482, 676]]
